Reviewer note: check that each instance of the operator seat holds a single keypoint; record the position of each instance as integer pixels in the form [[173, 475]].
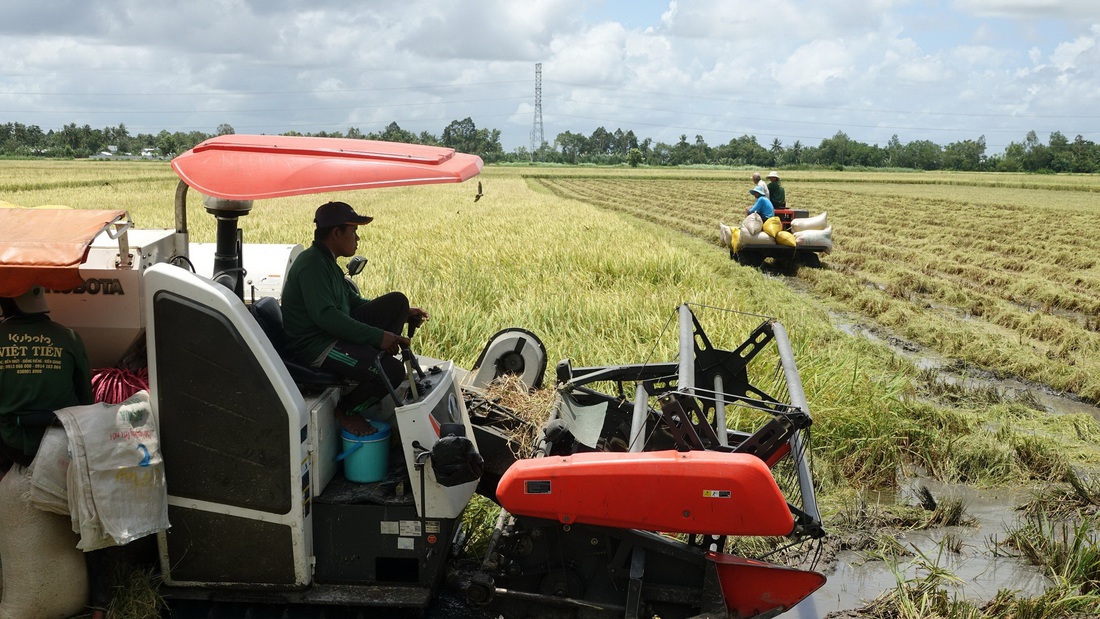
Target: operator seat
[[267, 312]]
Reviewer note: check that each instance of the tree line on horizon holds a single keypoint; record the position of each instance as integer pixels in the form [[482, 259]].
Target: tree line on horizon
[[605, 147]]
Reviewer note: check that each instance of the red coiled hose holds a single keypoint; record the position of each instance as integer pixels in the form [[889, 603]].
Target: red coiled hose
[[116, 385]]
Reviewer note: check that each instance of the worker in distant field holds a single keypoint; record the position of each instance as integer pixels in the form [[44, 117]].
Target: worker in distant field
[[762, 206], [43, 367], [328, 325], [775, 191], [760, 183]]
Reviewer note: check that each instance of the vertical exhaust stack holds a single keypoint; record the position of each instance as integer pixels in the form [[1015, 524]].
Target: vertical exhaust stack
[[228, 261]]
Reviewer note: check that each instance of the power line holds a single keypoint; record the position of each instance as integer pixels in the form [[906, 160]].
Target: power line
[[619, 92], [784, 121], [249, 93], [261, 110]]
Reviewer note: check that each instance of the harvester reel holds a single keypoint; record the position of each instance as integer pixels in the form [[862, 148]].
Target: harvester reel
[[513, 351]]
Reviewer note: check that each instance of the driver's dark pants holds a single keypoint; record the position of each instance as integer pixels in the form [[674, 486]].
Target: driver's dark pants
[[389, 312]]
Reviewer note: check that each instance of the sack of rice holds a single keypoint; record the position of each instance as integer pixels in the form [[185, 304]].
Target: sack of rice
[[760, 238], [44, 574], [817, 222], [785, 238], [753, 224], [813, 237], [816, 238], [724, 234], [735, 239], [48, 473], [772, 227]]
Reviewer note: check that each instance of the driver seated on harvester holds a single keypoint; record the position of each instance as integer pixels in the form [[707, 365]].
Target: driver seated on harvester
[[329, 326]]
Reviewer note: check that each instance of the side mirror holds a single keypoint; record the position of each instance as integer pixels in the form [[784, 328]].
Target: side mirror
[[356, 265]]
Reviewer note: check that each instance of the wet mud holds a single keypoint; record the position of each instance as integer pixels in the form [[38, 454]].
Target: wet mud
[[856, 576], [954, 373]]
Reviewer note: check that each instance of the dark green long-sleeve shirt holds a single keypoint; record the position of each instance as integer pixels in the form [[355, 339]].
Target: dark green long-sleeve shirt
[[777, 194], [43, 367], [317, 304]]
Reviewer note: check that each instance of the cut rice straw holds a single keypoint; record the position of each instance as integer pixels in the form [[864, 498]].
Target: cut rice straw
[[533, 406]]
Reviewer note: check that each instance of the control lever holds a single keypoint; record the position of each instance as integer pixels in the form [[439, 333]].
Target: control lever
[[409, 359], [386, 379], [406, 352]]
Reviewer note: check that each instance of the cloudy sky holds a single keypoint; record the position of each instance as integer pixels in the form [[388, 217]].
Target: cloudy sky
[[940, 70]]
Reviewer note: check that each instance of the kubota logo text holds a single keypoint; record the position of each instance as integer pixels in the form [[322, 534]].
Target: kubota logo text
[[95, 286]]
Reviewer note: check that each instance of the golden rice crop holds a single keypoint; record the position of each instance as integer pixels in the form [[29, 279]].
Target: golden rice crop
[[550, 250]]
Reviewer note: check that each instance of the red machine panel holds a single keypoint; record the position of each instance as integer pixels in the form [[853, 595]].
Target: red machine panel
[[673, 492], [754, 588]]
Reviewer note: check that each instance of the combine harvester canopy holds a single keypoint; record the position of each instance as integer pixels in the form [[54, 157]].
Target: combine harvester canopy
[[256, 167]]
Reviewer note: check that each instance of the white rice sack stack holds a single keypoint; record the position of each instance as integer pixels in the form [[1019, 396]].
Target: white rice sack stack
[[760, 238], [724, 234], [752, 225], [44, 574], [817, 222]]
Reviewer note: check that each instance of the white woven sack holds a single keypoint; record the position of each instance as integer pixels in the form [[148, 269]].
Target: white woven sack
[[49, 490], [116, 486], [812, 237], [758, 239], [44, 574], [815, 238], [817, 222], [752, 225]]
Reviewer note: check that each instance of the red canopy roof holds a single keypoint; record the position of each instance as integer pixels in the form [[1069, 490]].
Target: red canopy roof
[[254, 167], [47, 246]]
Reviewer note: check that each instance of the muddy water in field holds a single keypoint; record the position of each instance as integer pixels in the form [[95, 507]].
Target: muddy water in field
[[1009, 388], [856, 579]]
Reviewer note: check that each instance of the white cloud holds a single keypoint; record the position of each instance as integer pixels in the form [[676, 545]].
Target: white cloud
[[976, 57], [593, 56], [1070, 54], [1030, 9], [816, 64], [796, 69]]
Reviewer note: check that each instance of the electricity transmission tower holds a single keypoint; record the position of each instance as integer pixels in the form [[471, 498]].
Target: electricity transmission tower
[[537, 137]]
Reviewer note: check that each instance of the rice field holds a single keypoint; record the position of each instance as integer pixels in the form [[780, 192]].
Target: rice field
[[1001, 273], [996, 271], [595, 261]]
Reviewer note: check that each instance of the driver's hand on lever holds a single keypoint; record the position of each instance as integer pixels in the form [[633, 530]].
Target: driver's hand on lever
[[392, 343], [418, 316]]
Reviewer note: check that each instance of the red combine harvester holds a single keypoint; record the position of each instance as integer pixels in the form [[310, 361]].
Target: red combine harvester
[[627, 506]]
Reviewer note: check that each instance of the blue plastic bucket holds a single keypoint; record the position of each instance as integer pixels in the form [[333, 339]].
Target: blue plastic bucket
[[366, 458]]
